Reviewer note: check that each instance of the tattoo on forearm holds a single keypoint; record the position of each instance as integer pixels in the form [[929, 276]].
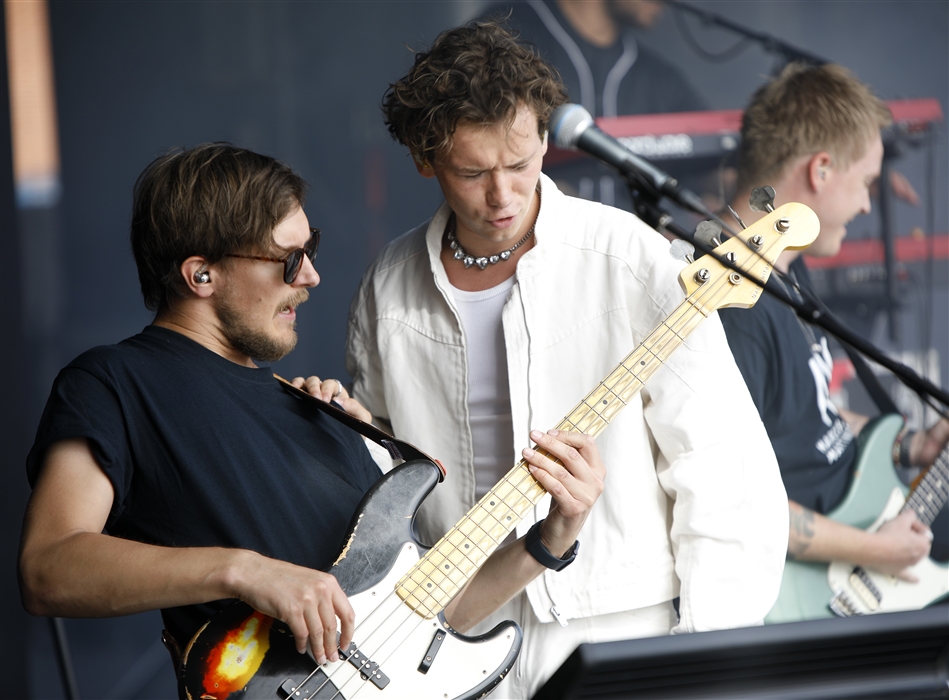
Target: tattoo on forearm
[[802, 532]]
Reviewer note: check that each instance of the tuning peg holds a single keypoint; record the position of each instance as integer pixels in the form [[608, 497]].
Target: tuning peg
[[682, 250], [709, 234], [762, 199]]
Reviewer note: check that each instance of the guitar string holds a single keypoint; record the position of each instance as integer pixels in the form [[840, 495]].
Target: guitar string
[[345, 667], [925, 511], [662, 344], [665, 335], [674, 337], [670, 335], [354, 673], [509, 517], [938, 473], [397, 647], [925, 508], [422, 600], [399, 627], [512, 509], [376, 657]]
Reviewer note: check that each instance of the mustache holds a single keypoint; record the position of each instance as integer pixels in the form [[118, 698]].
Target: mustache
[[297, 299]]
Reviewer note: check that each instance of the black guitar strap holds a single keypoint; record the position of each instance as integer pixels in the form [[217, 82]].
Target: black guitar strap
[[397, 449], [879, 395]]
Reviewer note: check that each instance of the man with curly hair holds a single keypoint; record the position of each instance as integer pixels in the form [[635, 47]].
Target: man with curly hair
[[492, 319]]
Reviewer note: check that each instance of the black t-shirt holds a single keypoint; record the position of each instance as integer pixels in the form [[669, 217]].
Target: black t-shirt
[[204, 452], [787, 368]]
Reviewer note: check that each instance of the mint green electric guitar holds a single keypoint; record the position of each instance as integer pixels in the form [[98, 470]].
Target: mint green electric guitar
[[811, 590]]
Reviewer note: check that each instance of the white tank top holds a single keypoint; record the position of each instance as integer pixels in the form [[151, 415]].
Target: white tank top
[[489, 396]]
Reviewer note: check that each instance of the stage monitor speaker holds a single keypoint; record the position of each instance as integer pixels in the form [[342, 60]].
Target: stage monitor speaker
[[893, 655]]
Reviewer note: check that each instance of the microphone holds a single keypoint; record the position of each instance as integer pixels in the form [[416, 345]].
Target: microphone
[[573, 128]]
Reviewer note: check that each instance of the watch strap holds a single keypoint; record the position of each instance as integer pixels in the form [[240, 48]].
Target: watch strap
[[536, 549]]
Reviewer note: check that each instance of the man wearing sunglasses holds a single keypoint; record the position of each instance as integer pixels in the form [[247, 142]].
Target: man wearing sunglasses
[[171, 471]]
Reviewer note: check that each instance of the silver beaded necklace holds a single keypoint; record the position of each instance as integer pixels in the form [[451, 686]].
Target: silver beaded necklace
[[483, 261]]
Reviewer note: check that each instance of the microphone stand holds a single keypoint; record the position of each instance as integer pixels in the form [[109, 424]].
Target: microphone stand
[[889, 250], [769, 43], [646, 207], [645, 201]]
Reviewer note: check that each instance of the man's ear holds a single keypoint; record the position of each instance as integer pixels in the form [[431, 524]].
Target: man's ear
[[423, 166], [819, 169], [197, 276]]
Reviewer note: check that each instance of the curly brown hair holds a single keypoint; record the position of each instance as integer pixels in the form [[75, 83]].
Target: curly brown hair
[[805, 110], [475, 74], [211, 200]]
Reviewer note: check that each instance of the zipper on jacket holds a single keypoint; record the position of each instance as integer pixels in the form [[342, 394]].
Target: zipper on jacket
[[558, 617], [530, 420]]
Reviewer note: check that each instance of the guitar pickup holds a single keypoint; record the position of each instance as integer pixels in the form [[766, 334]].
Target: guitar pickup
[[368, 669], [864, 587], [292, 688], [433, 648]]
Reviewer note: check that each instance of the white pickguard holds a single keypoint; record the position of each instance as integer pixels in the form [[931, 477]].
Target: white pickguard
[[894, 594], [389, 633]]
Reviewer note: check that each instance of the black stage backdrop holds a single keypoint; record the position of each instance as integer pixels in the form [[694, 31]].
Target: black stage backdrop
[[302, 81]]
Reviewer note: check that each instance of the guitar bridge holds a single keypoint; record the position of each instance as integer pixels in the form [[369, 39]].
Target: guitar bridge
[[369, 670], [842, 606]]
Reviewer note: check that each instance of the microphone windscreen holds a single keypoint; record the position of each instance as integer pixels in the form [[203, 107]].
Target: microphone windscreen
[[567, 123]]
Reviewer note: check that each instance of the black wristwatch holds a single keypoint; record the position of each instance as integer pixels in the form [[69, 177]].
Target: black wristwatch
[[543, 555]]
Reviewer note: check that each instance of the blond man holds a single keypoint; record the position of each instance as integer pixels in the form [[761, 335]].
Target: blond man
[[813, 134]]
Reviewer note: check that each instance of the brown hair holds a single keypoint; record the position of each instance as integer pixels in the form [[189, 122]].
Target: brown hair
[[211, 200], [475, 74], [805, 110]]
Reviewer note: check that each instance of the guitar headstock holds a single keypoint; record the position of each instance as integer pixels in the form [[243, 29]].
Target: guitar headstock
[[791, 226]]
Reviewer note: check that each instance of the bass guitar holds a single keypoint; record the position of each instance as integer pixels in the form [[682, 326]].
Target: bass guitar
[[403, 647], [812, 590]]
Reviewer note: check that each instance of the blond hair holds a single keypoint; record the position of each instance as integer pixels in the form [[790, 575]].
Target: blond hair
[[805, 110]]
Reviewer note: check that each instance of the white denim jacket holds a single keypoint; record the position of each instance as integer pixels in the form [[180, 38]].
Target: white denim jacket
[[694, 504]]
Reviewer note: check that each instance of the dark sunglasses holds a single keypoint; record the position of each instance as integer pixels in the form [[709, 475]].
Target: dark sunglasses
[[294, 260]]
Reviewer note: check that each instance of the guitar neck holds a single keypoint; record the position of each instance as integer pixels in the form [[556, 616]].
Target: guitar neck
[[431, 584], [930, 493], [709, 285], [600, 406]]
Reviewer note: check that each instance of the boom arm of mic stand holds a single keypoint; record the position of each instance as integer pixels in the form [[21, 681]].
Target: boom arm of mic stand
[[889, 252], [646, 207], [811, 313]]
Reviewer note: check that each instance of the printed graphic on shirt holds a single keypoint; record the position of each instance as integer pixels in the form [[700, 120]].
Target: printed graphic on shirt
[[832, 443]]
